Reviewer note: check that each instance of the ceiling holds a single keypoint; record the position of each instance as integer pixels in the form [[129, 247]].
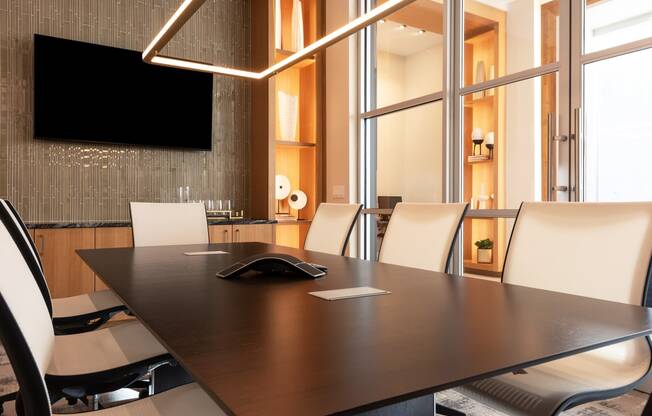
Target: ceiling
[[498, 4], [405, 42]]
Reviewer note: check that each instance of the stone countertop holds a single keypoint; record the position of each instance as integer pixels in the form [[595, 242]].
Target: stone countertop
[[101, 224]]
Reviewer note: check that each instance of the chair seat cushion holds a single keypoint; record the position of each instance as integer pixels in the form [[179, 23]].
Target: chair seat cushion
[[185, 400], [84, 304], [103, 350], [542, 389]]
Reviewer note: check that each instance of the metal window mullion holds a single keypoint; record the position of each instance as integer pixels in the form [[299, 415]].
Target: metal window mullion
[[404, 105], [616, 51], [573, 96], [454, 40], [511, 78]]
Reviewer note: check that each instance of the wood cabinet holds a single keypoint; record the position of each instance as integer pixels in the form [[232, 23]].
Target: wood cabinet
[[261, 233], [220, 233], [65, 272], [242, 233], [111, 237]]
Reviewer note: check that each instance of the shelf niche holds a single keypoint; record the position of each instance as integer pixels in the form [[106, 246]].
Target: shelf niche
[[484, 110], [299, 156]]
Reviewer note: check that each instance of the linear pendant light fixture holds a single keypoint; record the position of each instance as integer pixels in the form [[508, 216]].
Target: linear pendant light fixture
[[189, 7]]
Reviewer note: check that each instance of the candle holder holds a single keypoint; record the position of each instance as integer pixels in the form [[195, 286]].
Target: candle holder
[[489, 143], [477, 139], [490, 147]]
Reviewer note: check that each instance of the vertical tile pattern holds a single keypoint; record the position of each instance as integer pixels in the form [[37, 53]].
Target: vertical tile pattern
[[59, 181]]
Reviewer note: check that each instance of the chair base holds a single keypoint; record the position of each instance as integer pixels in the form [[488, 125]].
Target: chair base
[[9, 397], [447, 411]]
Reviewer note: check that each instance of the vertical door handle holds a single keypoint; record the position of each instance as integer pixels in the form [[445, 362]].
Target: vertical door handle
[[577, 137], [553, 158], [237, 235], [226, 236]]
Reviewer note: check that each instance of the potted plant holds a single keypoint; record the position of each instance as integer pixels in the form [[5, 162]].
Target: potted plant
[[485, 250]]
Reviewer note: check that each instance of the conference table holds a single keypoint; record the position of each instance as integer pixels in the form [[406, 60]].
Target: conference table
[[260, 344]]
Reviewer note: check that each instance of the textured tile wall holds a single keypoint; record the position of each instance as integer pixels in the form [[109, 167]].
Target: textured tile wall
[[59, 181]]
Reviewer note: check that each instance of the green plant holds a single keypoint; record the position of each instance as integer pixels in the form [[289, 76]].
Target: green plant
[[485, 244]]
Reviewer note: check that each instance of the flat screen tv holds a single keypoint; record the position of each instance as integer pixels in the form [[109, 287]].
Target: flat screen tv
[[92, 93]]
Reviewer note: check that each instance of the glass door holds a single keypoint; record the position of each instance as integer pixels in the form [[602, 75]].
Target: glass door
[[512, 116], [612, 97]]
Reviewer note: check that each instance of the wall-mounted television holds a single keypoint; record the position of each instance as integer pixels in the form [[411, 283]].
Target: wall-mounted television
[[91, 93]]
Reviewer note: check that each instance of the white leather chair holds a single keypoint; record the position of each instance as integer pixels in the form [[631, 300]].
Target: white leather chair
[[164, 224], [27, 335], [81, 364], [71, 314], [331, 228], [421, 235], [598, 250]]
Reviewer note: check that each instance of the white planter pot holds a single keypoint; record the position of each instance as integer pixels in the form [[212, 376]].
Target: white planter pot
[[485, 255]]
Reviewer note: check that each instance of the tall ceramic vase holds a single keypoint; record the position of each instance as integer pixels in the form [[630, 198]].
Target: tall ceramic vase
[[288, 111], [278, 26], [297, 25], [479, 77]]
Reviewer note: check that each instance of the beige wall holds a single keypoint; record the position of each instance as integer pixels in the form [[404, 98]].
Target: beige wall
[[61, 181], [341, 107], [409, 145], [523, 106], [390, 144]]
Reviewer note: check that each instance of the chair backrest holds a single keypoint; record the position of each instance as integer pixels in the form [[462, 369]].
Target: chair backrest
[[422, 235], [164, 224], [389, 202], [18, 231], [26, 330], [331, 228], [598, 250]]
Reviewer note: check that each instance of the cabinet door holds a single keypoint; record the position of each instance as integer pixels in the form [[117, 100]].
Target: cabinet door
[[111, 237], [261, 233], [65, 272], [220, 234]]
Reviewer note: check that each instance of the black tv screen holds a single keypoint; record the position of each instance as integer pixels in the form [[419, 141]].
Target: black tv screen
[[92, 93]]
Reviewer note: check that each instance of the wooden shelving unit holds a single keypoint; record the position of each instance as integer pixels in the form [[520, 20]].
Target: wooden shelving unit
[[298, 157], [281, 54], [485, 110], [288, 143]]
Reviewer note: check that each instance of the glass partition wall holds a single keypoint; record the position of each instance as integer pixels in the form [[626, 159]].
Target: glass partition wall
[[496, 102]]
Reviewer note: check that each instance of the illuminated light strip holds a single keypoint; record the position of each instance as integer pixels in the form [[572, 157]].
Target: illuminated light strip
[[183, 64], [180, 18], [189, 7]]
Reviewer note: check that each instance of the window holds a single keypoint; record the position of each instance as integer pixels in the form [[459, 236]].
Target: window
[[514, 100]]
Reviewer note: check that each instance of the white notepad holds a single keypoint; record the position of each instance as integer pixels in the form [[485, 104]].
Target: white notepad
[[204, 253], [352, 292]]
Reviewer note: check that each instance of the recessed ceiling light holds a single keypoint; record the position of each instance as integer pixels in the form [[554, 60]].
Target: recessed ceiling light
[[402, 27], [421, 31]]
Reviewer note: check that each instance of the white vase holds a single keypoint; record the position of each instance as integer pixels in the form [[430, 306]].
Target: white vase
[[297, 25], [288, 111], [480, 76], [278, 26], [492, 75]]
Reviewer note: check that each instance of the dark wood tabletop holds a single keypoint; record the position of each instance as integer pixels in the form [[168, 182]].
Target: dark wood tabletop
[[262, 345]]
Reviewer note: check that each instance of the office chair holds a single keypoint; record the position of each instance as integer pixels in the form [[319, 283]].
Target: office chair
[[598, 250]]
